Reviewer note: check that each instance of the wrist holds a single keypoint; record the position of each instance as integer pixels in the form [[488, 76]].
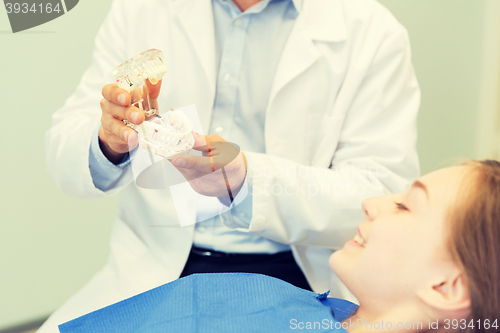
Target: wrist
[[113, 156]]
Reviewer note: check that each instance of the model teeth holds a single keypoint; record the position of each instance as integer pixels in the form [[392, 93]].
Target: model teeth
[[133, 72], [359, 240], [166, 136]]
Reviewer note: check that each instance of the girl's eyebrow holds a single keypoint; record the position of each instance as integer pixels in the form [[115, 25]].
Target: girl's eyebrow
[[419, 184]]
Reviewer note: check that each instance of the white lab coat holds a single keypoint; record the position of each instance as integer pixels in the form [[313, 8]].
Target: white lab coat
[[344, 94]]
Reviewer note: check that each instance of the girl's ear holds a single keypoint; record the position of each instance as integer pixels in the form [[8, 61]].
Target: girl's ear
[[449, 294]]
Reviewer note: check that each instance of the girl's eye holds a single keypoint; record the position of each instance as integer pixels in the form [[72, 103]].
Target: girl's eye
[[400, 206]]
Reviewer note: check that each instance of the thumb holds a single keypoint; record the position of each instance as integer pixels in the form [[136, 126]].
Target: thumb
[[199, 141], [202, 142], [193, 162], [153, 89]]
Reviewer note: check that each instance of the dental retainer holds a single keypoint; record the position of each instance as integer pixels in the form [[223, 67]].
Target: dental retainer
[[168, 135], [165, 136]]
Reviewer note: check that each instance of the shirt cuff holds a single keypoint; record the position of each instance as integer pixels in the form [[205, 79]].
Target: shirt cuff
[[105, 174], [240, 213]]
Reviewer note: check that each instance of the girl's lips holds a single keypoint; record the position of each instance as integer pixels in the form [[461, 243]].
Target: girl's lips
[[359, 239], [353, 243]]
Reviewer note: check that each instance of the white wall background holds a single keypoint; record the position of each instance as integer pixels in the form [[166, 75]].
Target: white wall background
[[51, 244]]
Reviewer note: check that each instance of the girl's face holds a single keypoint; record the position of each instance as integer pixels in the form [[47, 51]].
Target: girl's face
[[400, 247]]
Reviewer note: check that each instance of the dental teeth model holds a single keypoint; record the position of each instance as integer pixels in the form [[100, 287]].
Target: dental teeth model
[[164, 136], [168, 135], [132, 74]]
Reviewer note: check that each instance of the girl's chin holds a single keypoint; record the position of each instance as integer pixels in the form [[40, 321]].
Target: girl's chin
[[334, 261], [343, 259]]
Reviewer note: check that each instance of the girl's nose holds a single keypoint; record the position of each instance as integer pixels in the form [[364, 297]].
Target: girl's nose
[[370, 208]]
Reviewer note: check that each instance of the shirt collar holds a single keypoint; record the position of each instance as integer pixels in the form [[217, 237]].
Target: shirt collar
[[296, 3]]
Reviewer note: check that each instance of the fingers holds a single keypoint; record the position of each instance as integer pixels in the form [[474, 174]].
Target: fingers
[[117, 135], [112, 93], [220, 155], [116, 106], [116, 129], [153, 93], [150, 101], [131, 113], [198, 163], [214, 138], [153, 89], [201, 142]]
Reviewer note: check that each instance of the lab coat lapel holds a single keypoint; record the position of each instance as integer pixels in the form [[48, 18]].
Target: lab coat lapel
[[318, 20], [196, 17]]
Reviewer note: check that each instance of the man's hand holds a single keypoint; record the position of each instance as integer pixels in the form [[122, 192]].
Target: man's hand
[[220, 172], [115, 137]]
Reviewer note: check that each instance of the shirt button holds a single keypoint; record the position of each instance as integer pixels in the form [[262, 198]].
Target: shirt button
[[227, 77], [238, 22], [219, 130], [202, 229], [259, 222]]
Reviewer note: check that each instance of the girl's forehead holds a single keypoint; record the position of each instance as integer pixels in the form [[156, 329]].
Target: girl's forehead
[[445, 180], [446, 190], [444, 187]]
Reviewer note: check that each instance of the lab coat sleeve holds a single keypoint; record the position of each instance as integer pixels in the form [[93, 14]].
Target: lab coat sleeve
[[68, 141], [375, 155]]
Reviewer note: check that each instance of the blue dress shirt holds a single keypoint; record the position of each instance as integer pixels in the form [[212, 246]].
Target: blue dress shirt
[[248, 49]]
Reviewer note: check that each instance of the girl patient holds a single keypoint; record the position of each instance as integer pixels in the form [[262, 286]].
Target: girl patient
[[427, 259], [430, 253]]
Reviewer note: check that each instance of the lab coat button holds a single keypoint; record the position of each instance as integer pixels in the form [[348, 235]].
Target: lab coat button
[[259, 222], [202, 229], [238, 22], [227, 77], [219, 130]]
